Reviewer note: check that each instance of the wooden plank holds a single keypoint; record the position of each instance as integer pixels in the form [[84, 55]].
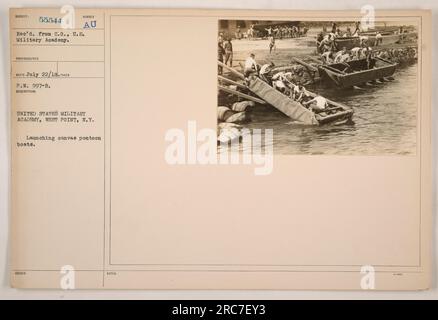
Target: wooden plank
[[233, 71], [334, 69], [240, 94], [240, 85], [314, 59], [308, 66], [384, 60], [282, 68], [289, 107]]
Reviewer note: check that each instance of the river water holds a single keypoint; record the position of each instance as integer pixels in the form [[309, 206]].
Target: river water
[[385, 119]]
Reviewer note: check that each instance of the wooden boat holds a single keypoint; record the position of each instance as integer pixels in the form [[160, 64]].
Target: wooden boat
[[382, 29], [347, 42], [356, 72], [352, 42], [387, 39], [335, 113]]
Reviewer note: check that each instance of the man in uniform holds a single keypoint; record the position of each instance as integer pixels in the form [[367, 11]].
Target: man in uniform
[[228, 47], [250, 65], [318, 103]]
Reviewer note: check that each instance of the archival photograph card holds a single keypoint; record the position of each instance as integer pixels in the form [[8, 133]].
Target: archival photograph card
[[220, 149]]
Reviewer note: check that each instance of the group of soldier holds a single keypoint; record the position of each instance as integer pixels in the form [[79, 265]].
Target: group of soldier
[[224, 51], [330, 53], [344, 55], [290, 83], [399, 55], [277, 31]]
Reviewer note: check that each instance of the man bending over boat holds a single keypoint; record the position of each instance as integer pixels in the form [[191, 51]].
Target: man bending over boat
[[355, 53], [280, 81], [368, 55], [363, 41], [366, 52], [318, 104], [327, 43], [327, 57], [250, 65], [342, 56], [264, 71], [299, 93]]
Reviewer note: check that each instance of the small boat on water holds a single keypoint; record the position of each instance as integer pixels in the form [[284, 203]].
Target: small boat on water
[[347, 42], [352, 42], [356, 72], [335, 113], [386, 39]]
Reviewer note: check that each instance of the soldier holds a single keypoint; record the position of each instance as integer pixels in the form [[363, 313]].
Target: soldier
[[318, 103], [228, 47], [271, 43], [250, 65], [220, 56]]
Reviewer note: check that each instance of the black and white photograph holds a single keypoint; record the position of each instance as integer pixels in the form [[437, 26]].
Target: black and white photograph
[[323, 87]]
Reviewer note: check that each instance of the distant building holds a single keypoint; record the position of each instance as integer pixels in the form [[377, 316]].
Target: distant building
[[230, 26]]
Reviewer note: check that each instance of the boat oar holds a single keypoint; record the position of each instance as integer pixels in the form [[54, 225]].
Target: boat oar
[[314, 59], [307, 65]]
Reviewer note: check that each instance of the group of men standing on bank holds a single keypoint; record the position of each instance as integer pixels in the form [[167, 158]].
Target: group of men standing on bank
[[224, 51]]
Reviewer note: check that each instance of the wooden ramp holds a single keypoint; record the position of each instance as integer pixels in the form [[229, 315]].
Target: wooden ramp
[[292, 109]]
